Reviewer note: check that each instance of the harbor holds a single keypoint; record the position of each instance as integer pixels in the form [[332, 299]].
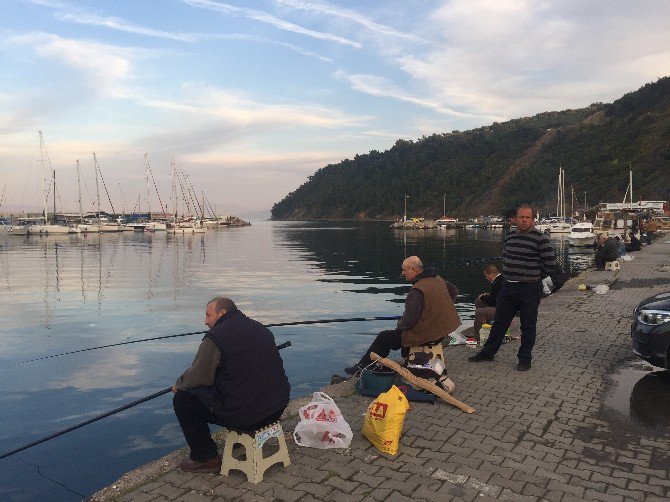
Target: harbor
[[68, 292], [582, 425]]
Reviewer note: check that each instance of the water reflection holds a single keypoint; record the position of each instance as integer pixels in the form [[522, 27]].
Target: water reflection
[[650, 400], [65, 293]]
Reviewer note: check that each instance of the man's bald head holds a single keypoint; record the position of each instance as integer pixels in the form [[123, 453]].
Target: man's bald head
[[411, 267]]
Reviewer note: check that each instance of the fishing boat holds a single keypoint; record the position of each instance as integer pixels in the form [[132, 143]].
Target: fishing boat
[[446, 222], [582, 234]]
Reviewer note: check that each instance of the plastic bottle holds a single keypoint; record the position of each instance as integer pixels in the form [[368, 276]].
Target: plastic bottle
[[484, 332]]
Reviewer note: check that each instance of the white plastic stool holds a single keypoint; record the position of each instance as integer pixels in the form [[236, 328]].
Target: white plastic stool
[[613, 265], [254, 464]]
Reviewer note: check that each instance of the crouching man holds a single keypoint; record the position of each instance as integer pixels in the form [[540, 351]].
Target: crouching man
[[237, 380]]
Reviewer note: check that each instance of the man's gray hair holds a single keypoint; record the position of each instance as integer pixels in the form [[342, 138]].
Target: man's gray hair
[[223, 303], [414, 262]]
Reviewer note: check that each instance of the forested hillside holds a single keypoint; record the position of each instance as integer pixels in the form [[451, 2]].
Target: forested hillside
[[486, 170]]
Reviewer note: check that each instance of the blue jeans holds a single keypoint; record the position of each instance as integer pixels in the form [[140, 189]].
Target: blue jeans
[[514, 298]]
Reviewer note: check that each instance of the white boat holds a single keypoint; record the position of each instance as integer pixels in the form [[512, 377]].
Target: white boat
[[446, 222], [554, 225], [582, 234]]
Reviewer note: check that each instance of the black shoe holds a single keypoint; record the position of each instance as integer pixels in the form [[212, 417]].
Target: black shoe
[[523, 367], [479, 357], [213, 465], [352, 370]]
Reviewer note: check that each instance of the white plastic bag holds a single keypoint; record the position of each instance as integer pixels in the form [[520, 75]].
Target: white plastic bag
[[601, 289], [322, 425]]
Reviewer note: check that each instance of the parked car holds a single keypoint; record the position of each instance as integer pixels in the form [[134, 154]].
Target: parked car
[[651, 330]]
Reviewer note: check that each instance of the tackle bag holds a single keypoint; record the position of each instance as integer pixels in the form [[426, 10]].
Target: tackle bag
[[322, 424], [384, 420]]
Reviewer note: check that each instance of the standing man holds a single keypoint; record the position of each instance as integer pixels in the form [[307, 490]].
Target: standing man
[[485, 304], [527, 256], [429, 315], [237, 380]]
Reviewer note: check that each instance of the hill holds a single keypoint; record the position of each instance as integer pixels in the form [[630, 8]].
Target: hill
[[486, 170]]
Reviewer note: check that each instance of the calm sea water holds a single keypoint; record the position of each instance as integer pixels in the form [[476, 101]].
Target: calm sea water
[[64, 293]]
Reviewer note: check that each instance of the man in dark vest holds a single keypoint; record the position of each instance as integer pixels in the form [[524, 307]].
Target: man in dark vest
[[237, 380], [429, 315]]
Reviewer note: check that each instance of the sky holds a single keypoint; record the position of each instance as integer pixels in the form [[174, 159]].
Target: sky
[[252, 97]]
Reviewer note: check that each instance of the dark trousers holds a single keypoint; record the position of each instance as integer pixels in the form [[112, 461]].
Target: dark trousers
[[384, 343], [194, 419], [521, 298]]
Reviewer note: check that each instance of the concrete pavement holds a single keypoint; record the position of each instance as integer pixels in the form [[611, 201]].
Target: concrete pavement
[[548, 434]]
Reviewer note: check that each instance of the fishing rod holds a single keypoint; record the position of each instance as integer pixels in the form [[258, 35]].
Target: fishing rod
[[296, 323], [453, 263], [104, 415]]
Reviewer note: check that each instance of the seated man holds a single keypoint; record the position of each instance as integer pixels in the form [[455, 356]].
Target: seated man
[[607, 251], [237, 380], [485, 304], [429, 315], [620, 245], [635, 244]]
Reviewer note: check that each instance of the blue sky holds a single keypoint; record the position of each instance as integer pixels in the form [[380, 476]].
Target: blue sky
[[254, 96]]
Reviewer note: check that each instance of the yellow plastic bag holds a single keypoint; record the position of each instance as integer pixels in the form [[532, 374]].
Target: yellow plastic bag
[[384, 420]]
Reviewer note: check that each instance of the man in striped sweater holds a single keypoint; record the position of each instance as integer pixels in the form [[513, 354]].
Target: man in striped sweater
[[527, 257]]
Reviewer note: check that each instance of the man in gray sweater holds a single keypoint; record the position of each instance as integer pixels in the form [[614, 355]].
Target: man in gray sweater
[[527, 257]]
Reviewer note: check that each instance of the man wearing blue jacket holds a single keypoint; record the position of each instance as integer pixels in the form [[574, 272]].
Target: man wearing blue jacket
[[237, 380]]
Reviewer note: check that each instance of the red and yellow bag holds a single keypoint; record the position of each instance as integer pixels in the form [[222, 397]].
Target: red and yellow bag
[[384, 420]]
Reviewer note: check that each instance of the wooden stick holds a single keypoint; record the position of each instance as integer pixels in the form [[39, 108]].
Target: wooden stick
[[422, 382]]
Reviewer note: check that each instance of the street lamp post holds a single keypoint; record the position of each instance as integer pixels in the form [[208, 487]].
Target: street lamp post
[[404, 218]]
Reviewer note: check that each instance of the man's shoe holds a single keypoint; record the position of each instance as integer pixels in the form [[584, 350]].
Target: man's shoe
[[213, 465], [352, 370], [523, 367], [479, 357]]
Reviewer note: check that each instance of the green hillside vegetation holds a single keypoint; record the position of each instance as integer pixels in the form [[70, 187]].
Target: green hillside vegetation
[[486, 170]]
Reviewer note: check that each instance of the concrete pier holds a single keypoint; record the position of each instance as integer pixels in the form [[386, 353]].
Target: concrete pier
[[549, 434]]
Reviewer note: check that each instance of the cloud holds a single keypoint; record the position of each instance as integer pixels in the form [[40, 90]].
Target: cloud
[[519, 57], [383, 87], [328, 10], [106, 68], [264, 17]]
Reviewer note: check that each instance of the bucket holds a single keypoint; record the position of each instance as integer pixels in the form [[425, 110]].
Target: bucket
[[376, 381]]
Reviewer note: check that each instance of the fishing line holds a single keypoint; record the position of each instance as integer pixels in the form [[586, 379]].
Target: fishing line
[[104, 415], [296, 323]]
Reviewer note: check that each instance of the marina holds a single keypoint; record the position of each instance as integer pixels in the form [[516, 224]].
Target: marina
[[72, 291]]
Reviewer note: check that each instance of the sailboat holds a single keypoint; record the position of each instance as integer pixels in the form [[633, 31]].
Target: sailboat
[[558, 224], [41, 226], [188, 225], [100, 223]]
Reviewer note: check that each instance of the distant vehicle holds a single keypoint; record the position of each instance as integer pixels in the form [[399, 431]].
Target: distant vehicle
[[651, 330]]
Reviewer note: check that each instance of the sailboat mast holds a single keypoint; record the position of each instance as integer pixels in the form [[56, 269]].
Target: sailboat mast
[[630, 182], [97, 189], [146, 168], [174, 185], [54, 176], [81, 211], [45, 193]]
